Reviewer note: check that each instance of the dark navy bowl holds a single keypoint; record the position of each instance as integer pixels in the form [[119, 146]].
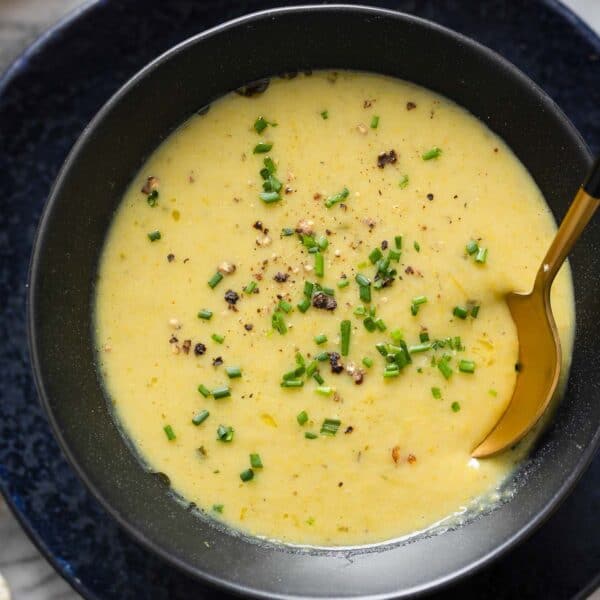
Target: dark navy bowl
[[79, 212]]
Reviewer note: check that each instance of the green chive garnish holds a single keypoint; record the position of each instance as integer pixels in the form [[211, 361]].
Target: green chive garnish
[[423, 337], [204, 390], [205, 314], [224, 433], [317, 377], [403, 183], [309, 435], [472, 247], [221, 392], [444, 368], [370, 324], [300, 360], [330, 426], [308, 289], [380, 324], [218, 507], [492, 393], [374, 122], [255, 461], [375, 255], [322, 356], [417, 246], [247, 475], [460, 312], [342, 283], [455, 407], [250, 287], [337, 197], [481, 255], [200, 417], [287, 231], [419, 348], [262, 147], [311, 368], [434, 152], [381, 348], [325, 114], [278, 322], [320, 339], [362, 280], [475, 311], [154, 235], [418, 300], [270, 165], [218, 338], [292, 383], [360, 311], [395, 256], [466, 366], [269, 197], [319, 265], [368, 362], [391, 371], [169, 432], [152, 198], [324, 390], [345, 328], [302, 417], [303, 305], [436, 393], [285, 306], [261, 124], [364, 293], [233, 372], [215, 279], [398, 242], [322, 242]]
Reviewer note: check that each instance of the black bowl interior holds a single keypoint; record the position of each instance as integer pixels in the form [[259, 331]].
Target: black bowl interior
[[79, 213]]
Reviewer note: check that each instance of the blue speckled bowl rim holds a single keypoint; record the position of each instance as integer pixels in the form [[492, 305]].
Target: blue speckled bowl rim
[[82, 11]]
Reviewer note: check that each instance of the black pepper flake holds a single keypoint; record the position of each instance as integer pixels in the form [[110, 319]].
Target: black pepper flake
[[173, 340], [231, 297], [386, 158], [185, 260], [280, 277], [254, 88], [334, 361], [217, 362], [322, 300], [409, 270], [349, 429], [384, 245], [187, 344], [248, 327], [358, 376], [340, 484], [518, 367], [410, 105], [258, 225], [429, 196], [170, 257], [199, 349]]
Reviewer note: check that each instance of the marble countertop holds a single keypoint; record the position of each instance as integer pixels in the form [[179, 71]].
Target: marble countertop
[[24, 573]]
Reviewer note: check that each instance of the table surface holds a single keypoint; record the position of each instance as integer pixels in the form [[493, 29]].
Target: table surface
[[27, 575]]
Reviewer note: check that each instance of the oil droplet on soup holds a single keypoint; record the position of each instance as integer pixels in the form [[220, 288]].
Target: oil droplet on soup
[[300, 315]]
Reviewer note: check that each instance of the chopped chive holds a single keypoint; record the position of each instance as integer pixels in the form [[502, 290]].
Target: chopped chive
[[300, 360], [250, 287], [330, 426], [247, 475], [419, 300], [460, 312], [362, 280], [414, 309], [221, 392], [398, 242], [374, 122], [395, 256], [345, 329], [419, 348], [492, 392], [153, 236], [272, 184], [380, 324], [360, 311], [322, 356], [309, 435], [270, 165], [444, 368], [204, 390], [472, 247], [322, 242], [370, 324], [319, 265], [417, 246], [337, 197], [436, 393], [317, 377], [297, 372], [434, 152], [292, 383], [381, 348], [302, 417], [308, 289], [218, 338], [403, 183], [396, 335], [457, 342], [287, 231], [169, 432], [391, 372], [455, 407], [233, 372], [325, 114], [364, 293], [324, 390], [260, 124], [423, 337], [262, 147], [255, 461], [269, 197], [368, 362], [215, 279], [342, 283], [466, 366], [278, 322], [218, 508], [475, 311], [200, 417], [303, 305], [481, 255], [224, 433], [205, 314], [152, 198], [285, 306], [320, 339], [375, 255]]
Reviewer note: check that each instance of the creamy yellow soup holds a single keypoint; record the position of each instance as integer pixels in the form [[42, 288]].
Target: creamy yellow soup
[[388, 182]]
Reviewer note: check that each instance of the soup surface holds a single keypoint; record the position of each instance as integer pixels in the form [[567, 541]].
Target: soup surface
[[266, 397]]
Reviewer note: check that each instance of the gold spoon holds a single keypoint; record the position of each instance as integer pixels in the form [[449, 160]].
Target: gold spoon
[[539, 345]]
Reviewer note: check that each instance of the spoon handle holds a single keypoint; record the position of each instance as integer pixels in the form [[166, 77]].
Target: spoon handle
[[578, 216]]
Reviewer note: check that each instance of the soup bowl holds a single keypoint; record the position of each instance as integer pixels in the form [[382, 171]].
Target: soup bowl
[[79, 212]]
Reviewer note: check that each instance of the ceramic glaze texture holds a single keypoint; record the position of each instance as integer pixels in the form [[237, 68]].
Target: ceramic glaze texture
[[45, 104]]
